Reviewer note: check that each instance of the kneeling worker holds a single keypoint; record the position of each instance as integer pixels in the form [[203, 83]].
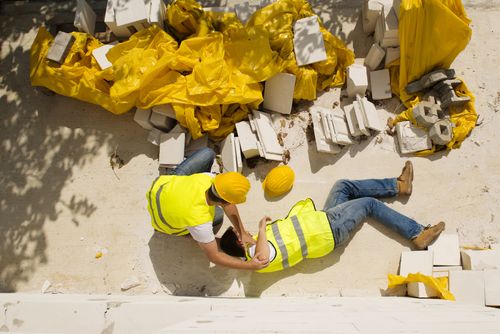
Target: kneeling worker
[[310, 233], [188, 201]]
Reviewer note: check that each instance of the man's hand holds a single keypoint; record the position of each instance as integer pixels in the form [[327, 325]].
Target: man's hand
[[257, 264], [245, 238], [263, 222]]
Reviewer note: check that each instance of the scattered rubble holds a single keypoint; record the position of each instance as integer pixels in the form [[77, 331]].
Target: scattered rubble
[[130, 283]]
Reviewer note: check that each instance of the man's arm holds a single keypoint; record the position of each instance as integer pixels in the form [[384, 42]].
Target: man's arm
[[232, 212], [220, 258], [262, 246]]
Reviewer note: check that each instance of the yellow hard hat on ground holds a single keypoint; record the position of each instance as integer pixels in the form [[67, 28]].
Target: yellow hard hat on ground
[[232, 187], [278, 181]]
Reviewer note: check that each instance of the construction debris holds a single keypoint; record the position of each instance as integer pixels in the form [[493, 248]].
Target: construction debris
[[248, 140], [278, 94], [374, 57], [412, 139], [85, 17], [380, 85], [171, 149], [308, 42], [271, 149], [99, 55], [386, 28], [357, 80], [441, 132], [130, 283]]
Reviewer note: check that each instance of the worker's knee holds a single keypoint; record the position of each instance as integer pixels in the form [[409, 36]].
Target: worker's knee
[[341, 185]]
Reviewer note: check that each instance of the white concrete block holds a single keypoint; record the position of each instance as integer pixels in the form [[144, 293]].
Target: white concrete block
[[219, 9], [196, 145], [467, 286], [360, 118], [445, 269], [244, 11], [327, 128], [386, 28], [109, 19], [374, 57], [157, 11], [85, 17], [132, 14], [142, 116], [322, 144], [480, 259], [413, 262], [371, 118], [357, 80], [420, 290], [412, 139], [171, 149], [340, 130], [60, 47], [247, 139], [308, 42], [370, 11], [278, 94], [237, 153], [162, 122], [391, 54], [164, 109], [352, 122], [446, 250], [228, 154], [154, 136], [380, 85], [266, 133], [492, 287], [99, 55]]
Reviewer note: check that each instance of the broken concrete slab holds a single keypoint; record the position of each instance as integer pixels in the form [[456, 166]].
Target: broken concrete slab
[[308, 42], [391, 54], [360, 118], [352, 122], [386, 28], [60, 47], [154, 136], [481, 259], [266, 133], [413, 262], [237, 153], [248, 139], [492, 287], [430, 79], [99, 55], [162, 122], [85, 17], [426, 113], [171, 149], [371, 118], [412, 139], [446, 250], [467, 286], [370, 12], [228, 154], [340, 129], [380, 84], [142, 117], [278, 94], [322, 143], [374, 57], [164, 109], [357, 80], [441, 132]]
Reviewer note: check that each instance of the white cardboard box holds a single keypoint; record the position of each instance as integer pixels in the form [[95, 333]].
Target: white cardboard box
[[171, 149], [492, 287], [308, 42], [467, 286], [142, 116], [412, 139], [247, 139], [357, 80], [481, 259], [278, 95], [380, 84], [446, 250]]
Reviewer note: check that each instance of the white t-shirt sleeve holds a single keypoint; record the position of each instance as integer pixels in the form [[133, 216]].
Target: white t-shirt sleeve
[[203, 233], [272, 251]]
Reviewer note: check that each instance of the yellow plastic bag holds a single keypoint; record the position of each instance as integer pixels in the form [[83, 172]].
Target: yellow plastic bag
[[438, 283]]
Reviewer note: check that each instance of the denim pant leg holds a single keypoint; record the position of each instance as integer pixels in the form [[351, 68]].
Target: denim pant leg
[[346, 190], [346, 217], [199, 162]]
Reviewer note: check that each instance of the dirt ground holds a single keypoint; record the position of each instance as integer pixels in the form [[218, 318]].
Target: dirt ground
[[61, 202]]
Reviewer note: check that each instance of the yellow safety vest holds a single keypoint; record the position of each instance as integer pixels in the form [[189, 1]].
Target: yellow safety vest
[[304, 233], [175, 202]]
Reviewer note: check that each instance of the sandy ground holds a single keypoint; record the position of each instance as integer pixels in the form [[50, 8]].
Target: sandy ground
[[61, 202]]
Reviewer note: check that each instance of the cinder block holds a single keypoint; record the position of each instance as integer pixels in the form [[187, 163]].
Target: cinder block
[[60, 47], [142, 116], [446, 250], [154, 136], [420, 290], [132, 14], [278, 95], [492, 287], [480, 259], [161, 121], [360, 118], [371, 118], [308, 42], [357, 80], [85, 17], [441, 132], [426, 113], [391, 54], [247, 139], [413, 262], [322, 144], [430, 79], [109, 19], [412, 139], [172, 149], [266, 133], [195, 145], [374, 57], [467, 286], [99, 55], [237, 153], [352, 122], [380, 85], [228, 154], [165, 109]]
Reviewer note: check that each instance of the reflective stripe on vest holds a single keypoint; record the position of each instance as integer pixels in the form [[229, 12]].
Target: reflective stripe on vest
[[175, 231], [300, 234], [281, 245]]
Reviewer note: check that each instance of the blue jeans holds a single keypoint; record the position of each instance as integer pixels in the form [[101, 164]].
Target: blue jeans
[[351, 202], [200, 161]]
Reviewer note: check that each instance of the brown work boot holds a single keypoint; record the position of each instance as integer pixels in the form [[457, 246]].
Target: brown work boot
[[405, 180], [428, 235]]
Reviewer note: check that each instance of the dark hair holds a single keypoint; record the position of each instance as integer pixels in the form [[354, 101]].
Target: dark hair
[[213, 196], [230, 245]]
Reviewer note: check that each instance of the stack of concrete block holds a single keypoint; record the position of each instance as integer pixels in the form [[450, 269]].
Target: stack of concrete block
[[308, 42], [412, 139], [467, 286], [374, 57], [231, 154], [380, 85], [99, 55], [481, 259], [323, 144], [414, 263], [85, 17], [268, 143], [386, 28], [333, 127], [362, 116], [171, 149], [60, 47], [247, 139], [446, 250], [278, 93], [357, 80]]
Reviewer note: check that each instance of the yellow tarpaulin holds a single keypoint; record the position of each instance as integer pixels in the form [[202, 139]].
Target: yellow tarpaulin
[[438, 283]]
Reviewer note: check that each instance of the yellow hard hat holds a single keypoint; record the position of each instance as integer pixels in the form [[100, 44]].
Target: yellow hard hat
[[278, 181], [232, 187]]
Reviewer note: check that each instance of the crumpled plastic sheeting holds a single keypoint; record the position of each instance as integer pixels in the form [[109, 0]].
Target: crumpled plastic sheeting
[[432, 33], [438, 283]]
